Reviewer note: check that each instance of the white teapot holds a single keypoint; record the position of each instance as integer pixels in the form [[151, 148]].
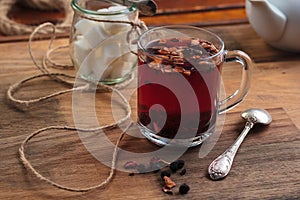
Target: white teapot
[[276, 21]]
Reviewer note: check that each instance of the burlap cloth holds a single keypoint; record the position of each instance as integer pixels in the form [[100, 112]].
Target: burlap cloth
[[10, 27]]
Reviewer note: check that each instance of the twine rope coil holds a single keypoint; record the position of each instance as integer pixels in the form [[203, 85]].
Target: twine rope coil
[[28, 165], [61, 77]]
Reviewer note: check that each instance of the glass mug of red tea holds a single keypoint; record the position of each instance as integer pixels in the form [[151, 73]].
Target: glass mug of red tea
[[179, 78]]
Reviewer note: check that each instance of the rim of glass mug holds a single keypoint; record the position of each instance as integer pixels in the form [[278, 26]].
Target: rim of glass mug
[[77, 7], [221, 47]]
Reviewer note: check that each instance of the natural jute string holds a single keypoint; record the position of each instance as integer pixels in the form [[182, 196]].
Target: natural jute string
[[69, 80]]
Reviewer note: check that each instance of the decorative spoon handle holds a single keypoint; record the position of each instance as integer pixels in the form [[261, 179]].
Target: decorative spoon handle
[[221, 166]]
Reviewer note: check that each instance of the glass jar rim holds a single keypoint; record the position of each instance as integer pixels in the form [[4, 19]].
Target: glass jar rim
[[174, 27], [77, 7]]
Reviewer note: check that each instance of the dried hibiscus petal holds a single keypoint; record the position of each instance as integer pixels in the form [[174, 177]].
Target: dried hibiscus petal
[[167, 190], [168, 182]]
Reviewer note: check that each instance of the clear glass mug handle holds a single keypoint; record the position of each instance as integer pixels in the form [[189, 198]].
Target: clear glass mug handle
[[238, 96]]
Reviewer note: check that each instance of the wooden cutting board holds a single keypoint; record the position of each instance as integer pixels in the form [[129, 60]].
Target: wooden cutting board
[[266, 166], [267, 161]]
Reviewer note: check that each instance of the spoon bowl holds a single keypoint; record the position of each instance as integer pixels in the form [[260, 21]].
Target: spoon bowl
[[146, 7], [261, 115]]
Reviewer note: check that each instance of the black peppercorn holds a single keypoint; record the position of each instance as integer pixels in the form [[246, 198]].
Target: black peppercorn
[[184, 188], [183, 172], [165, 173], [174, 166], [180, 164], [131, 174]]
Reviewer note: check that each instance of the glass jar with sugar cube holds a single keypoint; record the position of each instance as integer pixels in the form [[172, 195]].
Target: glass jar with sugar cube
[[101, 40]]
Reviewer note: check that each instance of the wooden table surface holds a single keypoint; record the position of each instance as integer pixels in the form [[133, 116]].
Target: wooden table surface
[[267, 165]]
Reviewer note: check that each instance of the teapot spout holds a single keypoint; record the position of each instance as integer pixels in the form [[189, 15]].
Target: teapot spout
[[268, 21]]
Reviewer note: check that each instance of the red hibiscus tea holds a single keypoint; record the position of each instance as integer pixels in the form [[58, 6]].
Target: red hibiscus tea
[[179, 76], [178, 88]]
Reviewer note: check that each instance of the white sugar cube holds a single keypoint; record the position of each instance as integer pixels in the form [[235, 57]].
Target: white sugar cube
[[115, 68], [102, 51], [120, 68], [81, 49], [117, 8], [96, 35], [84, 25], [114, 28], [106, 53]]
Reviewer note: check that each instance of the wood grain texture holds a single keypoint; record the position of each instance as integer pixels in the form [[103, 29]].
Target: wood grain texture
[[266, 166], [165, 6], [201, 18], [180, 11]]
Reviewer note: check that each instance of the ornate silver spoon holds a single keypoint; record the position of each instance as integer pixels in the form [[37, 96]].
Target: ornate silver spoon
[[221, 166]]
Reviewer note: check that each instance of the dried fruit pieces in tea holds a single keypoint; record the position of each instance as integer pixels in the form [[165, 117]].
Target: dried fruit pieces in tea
[[175, 54]]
